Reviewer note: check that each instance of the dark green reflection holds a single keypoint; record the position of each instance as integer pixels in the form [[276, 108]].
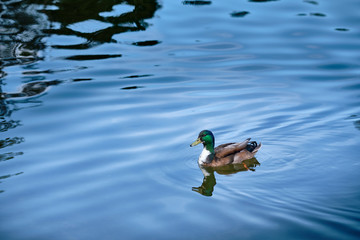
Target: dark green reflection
[[209, 181], [30, 89], [239, 14], [197, 2], [9, 155], [6, 125], [20, 33], [68, 12], [23, 27], [356, 120]]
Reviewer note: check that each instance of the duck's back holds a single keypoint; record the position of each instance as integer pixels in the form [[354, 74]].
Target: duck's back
[[230, 153], [226, 149]]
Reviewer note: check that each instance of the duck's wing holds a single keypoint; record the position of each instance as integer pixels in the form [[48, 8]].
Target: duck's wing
[[226, 149]]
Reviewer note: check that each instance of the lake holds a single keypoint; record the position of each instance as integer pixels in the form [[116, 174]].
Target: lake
[[101, 99]]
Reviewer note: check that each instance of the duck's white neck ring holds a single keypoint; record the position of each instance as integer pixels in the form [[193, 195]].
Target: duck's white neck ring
[[205, 157]]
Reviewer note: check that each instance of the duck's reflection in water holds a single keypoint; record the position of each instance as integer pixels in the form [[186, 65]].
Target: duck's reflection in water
[[209, 181]]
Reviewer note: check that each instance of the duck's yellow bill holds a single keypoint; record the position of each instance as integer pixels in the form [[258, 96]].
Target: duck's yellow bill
[[197, 141]]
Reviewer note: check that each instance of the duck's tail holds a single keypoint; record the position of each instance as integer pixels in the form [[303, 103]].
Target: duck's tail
[[253, 146]]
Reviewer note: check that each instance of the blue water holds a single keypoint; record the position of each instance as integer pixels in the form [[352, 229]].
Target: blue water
[[101, 99]]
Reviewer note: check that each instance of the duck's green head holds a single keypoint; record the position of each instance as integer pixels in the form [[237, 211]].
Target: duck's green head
[[205, 137]]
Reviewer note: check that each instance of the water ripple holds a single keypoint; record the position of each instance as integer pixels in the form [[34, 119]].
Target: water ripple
[[98, 111]]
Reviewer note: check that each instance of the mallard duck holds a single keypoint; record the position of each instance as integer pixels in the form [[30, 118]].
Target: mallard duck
[[224, 154]]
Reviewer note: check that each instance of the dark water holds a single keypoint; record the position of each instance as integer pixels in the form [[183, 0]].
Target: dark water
[[101, 99]]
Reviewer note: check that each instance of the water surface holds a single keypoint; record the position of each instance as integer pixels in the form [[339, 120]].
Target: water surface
[[101, 99]]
